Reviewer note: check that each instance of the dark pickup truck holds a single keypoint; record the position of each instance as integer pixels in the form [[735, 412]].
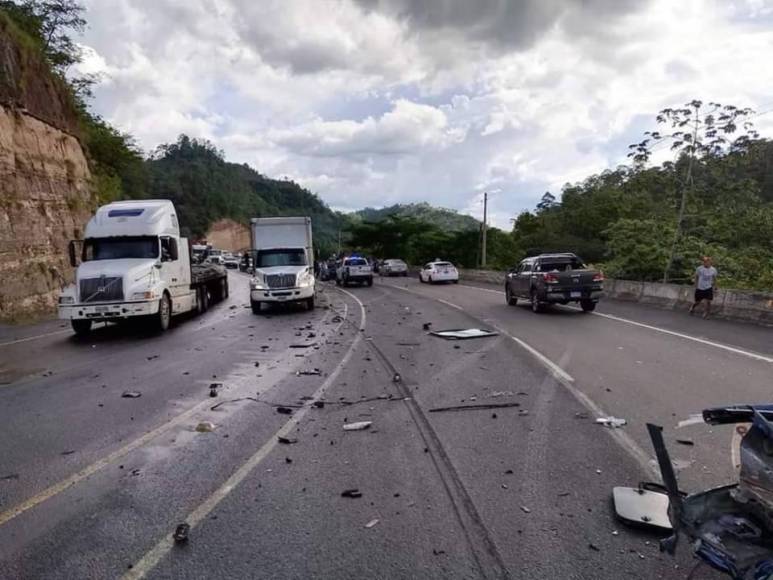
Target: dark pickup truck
[[554, 279]]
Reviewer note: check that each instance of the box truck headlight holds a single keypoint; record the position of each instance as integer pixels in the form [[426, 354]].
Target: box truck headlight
[[305, 279], [256, 284]]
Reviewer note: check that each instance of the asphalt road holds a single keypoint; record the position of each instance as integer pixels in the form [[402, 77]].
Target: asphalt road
[[92, 484]]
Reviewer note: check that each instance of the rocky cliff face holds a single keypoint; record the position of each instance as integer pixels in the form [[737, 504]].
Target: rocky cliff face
[[45, 200], [229, 235]]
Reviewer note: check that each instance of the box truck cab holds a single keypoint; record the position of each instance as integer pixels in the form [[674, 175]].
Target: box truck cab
[[283, 259], [133, 263]]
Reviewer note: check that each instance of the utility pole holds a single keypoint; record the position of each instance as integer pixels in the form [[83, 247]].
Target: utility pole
[[339, 243], [483, 232]]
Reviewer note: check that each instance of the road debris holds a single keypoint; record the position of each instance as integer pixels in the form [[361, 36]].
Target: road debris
[[464, 333], [213, 389], [205, 427], [611, 422], [358, 426], [68, 452], [594, 547], [131, 394], [308, 373], [426, 325], [477, 407], [525, 510], [284, 411], [181, 533], [155, 356], [371, 523], [685, 441], [351, 493], [319, 404], [396, 378], [286, 440], [9, 477], [496, 394], [523, 412], [303, 345]]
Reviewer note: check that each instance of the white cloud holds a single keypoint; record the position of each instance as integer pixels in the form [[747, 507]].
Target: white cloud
[[372, 102]]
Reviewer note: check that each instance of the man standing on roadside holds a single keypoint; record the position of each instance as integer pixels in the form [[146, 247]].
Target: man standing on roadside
[[705, 282]]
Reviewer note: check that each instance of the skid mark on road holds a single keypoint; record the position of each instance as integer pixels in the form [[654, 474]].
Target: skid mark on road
[[151, 559], [36, 337]]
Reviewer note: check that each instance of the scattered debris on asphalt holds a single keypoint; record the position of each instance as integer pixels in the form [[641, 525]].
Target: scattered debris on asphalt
[[685, 441], [408, 343], [474, 407], [371, 523], [496, 394], [9, 477], [284, 411], [594, 547], [523, 412], [288, 460], [646, 504], [155, 356], [358, 426], [68, 452], [611, 422], [181, 533], [205, 427], [396, 378], [308, 373], [131, 394], [286, 440], [351, 493], [213, 389], [303, 345], [581, 415], [426, 325], [525, 510], [319, 404], [464, 333]]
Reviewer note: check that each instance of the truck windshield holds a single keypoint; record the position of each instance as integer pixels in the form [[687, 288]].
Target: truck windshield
[[289, 257], [118, 248]]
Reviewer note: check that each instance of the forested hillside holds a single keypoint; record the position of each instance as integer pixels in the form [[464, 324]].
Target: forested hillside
[[444, 218]]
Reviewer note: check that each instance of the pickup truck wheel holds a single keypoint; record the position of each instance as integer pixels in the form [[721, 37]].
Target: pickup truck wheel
[[511, 299], [587, 305], [255, 305], [310, 303], [164, 315], [455, 281], [203, 300], [223, 288], [81, 327], [429, 279], [536, 305]]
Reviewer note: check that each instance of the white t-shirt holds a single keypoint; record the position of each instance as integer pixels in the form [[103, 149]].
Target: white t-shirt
[[706, 277]]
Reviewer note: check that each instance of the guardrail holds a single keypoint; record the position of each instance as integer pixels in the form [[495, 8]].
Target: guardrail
[[731, 304]]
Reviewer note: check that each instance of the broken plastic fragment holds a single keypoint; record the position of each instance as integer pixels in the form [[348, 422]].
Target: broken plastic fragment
[[642, 506], [358, 426], [371, 523], [131, 394], [611, 422], [181, 533], [205, 427], [286, 440], [284, 411], [351, 493], [463, 334]]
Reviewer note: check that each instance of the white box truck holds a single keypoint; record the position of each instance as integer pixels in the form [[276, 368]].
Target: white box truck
[[133, 263], [283, 261]]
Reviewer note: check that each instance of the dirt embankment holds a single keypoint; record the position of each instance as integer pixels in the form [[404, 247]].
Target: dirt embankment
[[229, 235]]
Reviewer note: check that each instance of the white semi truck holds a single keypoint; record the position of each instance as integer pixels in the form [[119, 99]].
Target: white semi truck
[[283, 259], [133, 263]]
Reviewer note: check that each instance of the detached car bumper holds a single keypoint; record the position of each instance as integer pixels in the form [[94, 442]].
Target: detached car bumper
[[109, 311], [282, 294]]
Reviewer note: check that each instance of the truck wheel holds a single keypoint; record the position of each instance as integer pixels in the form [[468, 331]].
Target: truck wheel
[[536, 305], [587, 305], [255, 306], [81, 327], [455, 281], [164, 315], [223, 288], [370, 282], [202, 300], [310, 303], [405, 274], [509, 297]]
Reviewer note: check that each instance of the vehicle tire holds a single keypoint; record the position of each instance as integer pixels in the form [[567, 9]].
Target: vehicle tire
[[455, 281], [369, 282], [164, 315], [404, 274], [202, 300], [223, 288], [338, 281], [587, 305], [511, 299], [421, 279], [429, 280], [536, 305], [310, 303], [256, 306], [81, 327]]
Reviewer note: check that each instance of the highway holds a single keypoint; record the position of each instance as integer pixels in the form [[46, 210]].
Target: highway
[[93, 483]]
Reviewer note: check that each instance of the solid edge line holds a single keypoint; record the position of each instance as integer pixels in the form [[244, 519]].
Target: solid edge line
[[36, 337], [151, 558]]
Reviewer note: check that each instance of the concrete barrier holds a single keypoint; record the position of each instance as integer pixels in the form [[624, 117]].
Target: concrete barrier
[[730, 304]]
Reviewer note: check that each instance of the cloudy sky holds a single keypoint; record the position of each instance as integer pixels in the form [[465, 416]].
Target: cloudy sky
[[374, 102]]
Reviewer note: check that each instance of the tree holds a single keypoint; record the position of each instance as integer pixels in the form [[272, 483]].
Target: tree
[[697, 131], [547, 201]]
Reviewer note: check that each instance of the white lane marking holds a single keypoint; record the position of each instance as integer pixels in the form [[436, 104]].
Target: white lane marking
[[482, 289], [451, 304], [151, 559], [36, 337], [622, 438]]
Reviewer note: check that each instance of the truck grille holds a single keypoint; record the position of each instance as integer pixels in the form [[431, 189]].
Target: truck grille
[[280, 280], [102, 289]]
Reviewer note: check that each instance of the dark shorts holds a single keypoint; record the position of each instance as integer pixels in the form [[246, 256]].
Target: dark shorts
[[704, 294]]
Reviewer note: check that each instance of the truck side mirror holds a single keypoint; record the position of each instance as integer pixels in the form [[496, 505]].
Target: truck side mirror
[[74, 250]]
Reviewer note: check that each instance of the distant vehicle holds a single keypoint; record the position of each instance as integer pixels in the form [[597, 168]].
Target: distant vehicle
[[230, 261], [215, 258], [394, 268], [133, 263], [354, 270], [554, 279], [327, 271], [284, 261], [245, 263], [439, 271]]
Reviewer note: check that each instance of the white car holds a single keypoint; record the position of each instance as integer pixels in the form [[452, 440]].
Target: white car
[[393, 268], [354, 269], [439, 272]]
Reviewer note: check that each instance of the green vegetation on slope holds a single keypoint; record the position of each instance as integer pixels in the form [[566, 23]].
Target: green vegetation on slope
[[446, 219]]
